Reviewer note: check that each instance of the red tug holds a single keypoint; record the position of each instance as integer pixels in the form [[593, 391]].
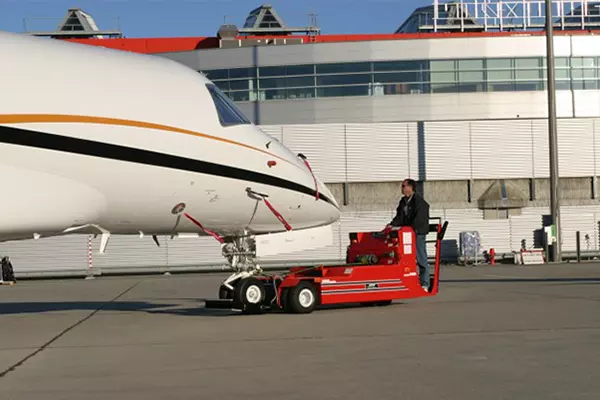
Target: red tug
[[379, 269]]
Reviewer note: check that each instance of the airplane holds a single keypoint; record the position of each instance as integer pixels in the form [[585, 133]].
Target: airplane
[[101, 141]]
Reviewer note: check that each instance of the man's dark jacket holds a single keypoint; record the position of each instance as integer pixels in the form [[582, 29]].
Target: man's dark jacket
[[417, 214]]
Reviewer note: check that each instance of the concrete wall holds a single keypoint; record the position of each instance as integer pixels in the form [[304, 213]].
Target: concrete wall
[[381, 196]]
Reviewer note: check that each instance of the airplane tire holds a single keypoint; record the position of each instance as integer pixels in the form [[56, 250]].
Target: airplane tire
[[302, 298], [249, 294]]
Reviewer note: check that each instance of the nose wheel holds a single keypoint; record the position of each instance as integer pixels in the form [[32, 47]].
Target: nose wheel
[[249, 295]]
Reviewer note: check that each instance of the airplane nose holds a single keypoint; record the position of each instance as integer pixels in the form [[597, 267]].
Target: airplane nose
[[329, 209]]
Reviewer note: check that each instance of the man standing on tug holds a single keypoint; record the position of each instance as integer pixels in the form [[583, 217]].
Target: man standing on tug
[[413, 211]]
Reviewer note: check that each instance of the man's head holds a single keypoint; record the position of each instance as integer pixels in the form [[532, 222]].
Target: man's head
[[409, 186]]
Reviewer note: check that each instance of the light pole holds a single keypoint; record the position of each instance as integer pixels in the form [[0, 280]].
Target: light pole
[[554, 193]]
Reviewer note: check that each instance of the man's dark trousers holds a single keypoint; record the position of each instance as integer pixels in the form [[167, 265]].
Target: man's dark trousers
[[422, 260]]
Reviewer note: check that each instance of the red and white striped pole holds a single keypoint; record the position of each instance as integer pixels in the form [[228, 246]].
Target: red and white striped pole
[[90, 274]]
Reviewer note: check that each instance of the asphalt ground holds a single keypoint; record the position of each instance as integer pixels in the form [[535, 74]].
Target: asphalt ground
[[493, 332]]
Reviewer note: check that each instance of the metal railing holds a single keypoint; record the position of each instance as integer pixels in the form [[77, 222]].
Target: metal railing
[[507, 15]]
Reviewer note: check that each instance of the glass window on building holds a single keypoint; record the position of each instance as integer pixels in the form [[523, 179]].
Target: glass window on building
[[416, 65], [443, 76], [343, 68], [329, 80], [287, 70], [403, 77], [585, 79], [303, 93], [271, 71], [238, 73], [471, 75], [584, 73], [528, 73], [470, 70], [399, 77], [343, 91], [216, 74], [500, 75]]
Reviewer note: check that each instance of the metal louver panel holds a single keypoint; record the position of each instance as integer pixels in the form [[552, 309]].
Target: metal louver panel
[[414, 155], [448, 153], [131, 252], [194, 251], [575, 219], [47, 255], [540, 149], [328, 253], [575, 147], [323, 144], [493, 233], [524, 227], [596, 125], [501, 149], [273, 130], [363, 221], [378, 152]]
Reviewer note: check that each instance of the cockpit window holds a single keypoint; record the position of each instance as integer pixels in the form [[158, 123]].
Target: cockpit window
[[229, 113]]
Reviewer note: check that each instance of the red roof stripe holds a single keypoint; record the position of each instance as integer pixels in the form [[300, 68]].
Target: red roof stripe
[[176, 44]]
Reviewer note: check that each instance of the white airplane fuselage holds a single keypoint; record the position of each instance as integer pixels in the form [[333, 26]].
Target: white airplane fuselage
[[92, 136]]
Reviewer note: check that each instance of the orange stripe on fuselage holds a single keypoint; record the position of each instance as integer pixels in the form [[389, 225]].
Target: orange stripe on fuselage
[[59, 118]]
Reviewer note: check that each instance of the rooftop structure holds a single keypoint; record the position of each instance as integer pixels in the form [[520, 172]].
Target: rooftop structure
[[501, 15], [265, 27], [77, 24], [264, 20]]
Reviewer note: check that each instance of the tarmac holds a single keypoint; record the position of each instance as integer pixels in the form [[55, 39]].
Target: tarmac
[[493, 332]]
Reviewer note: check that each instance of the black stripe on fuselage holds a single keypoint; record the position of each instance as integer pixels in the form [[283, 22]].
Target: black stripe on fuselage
[[48, 141]]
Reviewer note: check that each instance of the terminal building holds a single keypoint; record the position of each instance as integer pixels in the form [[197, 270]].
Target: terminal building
[[455, 98]]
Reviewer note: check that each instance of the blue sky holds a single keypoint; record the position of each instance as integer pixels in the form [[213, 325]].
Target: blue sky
[[172, 18]]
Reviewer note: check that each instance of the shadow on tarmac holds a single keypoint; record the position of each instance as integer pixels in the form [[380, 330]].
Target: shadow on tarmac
[[40, 307], [15, 308]]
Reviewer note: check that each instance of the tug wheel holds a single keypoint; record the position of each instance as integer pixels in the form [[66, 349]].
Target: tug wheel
[[302, 298], [248, 295], [284, 299]]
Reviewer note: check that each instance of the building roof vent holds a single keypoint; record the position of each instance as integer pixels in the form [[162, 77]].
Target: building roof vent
[[228, 31], [264, 20], [77, 24]]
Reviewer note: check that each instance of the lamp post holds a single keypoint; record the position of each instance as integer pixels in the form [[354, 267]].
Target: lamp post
[[552, 135]]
